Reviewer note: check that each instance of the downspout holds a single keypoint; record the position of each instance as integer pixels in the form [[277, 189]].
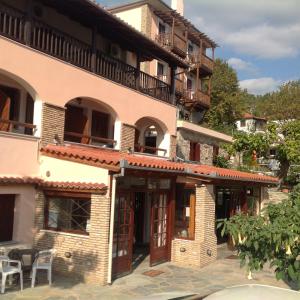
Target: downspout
[[112, 218]]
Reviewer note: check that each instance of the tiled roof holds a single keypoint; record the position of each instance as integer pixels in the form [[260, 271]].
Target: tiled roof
[[232, 174], [19, 180], [74, 185], [106, 157], [53, 184], [250, 116]]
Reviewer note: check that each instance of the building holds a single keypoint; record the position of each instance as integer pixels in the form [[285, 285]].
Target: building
[[169, 28], [88, 147], [251, 124]]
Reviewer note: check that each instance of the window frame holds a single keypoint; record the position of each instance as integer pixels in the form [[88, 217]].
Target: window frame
[[181, 191], [64, 195]]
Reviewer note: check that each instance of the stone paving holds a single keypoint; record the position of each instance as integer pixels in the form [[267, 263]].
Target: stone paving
[[218, 275]]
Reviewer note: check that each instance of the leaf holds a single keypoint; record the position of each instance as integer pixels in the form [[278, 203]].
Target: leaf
[[292, 273]]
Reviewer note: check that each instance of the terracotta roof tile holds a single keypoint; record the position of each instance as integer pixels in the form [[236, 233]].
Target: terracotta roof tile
[[100, 156], [53, 184]]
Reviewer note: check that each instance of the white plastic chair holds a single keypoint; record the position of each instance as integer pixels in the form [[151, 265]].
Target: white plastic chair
[[43, 261], [8, 268]]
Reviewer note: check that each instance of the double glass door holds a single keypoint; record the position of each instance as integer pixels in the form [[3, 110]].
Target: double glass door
[[124, 228]]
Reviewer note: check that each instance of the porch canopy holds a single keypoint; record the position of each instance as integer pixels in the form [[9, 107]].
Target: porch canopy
[[115, 161]]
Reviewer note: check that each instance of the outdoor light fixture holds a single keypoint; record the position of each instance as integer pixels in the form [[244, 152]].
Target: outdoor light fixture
[[182, 249], [208, 252], [68, 254]]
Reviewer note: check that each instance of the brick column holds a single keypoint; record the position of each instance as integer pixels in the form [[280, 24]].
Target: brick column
[[205, 221], [173, 146], [53, 123], [127, 137], [89, 253], [203, 249]]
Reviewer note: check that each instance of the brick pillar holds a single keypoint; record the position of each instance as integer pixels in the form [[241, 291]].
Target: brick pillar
[[53, 123], [79, 256], [173, 145], [205, 223], [127, 137]]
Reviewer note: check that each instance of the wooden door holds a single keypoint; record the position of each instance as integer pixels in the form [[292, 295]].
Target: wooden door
[[123, 234], [7, 207], [4, 111], [159, 227]]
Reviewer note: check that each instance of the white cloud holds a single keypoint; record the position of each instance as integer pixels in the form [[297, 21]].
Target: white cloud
[[239, 64], [260, 86], [263, 29]]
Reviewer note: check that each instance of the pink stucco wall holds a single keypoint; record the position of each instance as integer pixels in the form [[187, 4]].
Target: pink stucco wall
[[18, 155], [56, 82]]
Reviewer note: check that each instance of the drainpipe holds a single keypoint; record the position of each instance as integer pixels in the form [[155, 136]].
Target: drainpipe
[[112, 218]]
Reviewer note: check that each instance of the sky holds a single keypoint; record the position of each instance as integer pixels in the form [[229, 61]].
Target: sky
[[260, 39]]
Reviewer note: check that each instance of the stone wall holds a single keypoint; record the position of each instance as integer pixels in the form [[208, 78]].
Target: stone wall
[[173, 145], [127, 137], [272, 195], [184, 137], [89, 254], [203, 249], [53, 123]]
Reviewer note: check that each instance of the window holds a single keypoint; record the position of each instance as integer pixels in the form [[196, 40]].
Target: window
[[243, 123], [160, 69], [189, 84], [195, 151], [68, 214], [185, 213], [190, 49], [161, 28], [216, 151]]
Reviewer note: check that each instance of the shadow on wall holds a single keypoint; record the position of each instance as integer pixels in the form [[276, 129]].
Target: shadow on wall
[[70, 263]]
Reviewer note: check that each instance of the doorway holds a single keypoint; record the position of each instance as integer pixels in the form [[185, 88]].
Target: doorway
[[140, 230], [7, 207]]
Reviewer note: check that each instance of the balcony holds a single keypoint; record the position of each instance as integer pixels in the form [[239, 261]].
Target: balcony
[[174, 43], [199, 97], [202, 61], [58, 44]]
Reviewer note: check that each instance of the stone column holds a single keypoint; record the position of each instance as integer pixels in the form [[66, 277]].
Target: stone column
[[127, 137]]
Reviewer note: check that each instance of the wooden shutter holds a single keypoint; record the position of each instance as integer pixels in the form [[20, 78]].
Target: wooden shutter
[[4, 111], [100, 123], [192, 151], [29, 113], [192, 215], [76, 122], [197, 152]]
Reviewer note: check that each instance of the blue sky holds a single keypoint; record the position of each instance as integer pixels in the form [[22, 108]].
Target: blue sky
[[259, 38]]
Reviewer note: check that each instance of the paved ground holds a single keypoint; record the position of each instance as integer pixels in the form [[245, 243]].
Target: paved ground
[[222, 273]]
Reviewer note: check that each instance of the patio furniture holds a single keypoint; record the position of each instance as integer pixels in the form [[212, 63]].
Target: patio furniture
[[43, 261], [10, 267]]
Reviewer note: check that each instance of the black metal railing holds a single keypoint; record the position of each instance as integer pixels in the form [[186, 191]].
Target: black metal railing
[[42, 37]]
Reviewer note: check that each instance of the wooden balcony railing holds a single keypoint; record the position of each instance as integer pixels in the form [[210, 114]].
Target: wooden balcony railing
[[40, 36], [197, 96], [148, 149], [201, 60], [11, 126], [88, 139], [176, 43]]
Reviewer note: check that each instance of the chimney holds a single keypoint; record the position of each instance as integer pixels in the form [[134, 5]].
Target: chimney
[[178, 5]]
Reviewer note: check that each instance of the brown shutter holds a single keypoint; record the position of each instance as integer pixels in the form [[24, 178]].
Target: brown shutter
[[76, 122], [29, 113], [192, 215], [197, 151], [192, 151], [4, 111], [100, 122]]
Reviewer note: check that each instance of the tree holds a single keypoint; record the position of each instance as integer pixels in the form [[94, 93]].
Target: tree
[[283, 104], [270, 237], [285, 136], [226, 104]]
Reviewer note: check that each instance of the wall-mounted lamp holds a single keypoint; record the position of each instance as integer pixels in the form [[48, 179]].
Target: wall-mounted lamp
[[68, 254]]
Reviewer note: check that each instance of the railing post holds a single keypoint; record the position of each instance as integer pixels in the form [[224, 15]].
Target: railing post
[[94, 49], [173, 85], [138, 72], [28, 23], [173, 32]]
